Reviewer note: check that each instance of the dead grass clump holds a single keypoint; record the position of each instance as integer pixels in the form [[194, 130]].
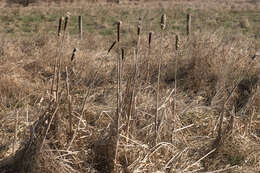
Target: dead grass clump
[[10, 92]]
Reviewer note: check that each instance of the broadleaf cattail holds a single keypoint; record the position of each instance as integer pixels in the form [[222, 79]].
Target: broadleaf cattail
[[150, 39], [59, 27], [74, 54], [188, 24], [111, 47], [118, 30], [66, 21], [163, 21], [139, 26], [177, 42], [123, 53]]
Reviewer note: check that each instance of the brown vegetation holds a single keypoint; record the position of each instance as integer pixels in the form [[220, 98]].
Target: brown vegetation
[[85, 114]]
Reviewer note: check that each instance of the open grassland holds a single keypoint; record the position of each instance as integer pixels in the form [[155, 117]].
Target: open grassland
[[176, 103]]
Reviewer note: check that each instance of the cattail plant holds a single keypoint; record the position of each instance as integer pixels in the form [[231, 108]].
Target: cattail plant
[[80, 26], [15, 130], [177, 46], [66, 21], [163, 21], [59, 27], [118, 111], [188, 24], [163, 26], [73, 56], [69, 100], [111, 47], [122, 53], [149, 54], [132, 80]]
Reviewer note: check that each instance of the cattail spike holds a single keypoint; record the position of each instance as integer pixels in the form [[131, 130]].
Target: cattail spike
[[118, 30], [177, 42], [123, 53], [59, 27], [139, 26], [111, 47], [73, 54], [66, 21], [150, 39], [163, 21], [188, 24]]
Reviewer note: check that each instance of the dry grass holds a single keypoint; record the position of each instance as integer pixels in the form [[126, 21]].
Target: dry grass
[[212, 66]]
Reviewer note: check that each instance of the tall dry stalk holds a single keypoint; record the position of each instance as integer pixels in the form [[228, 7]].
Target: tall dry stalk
[[163, 26], [177, 45], [118, 110], [15, 130], [132, 80], [69, 99]]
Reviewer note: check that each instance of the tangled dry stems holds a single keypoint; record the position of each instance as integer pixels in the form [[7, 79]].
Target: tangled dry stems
[[209, 65]]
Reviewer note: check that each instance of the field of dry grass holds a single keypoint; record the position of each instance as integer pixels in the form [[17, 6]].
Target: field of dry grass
[[169, 103]]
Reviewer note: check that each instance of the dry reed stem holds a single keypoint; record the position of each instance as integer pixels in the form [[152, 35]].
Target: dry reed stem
[[219, 136], [15, 130], [69, 101], [163, 25], [70, 115], [118, 111], [80, 119], [132, 97], [175, 81], [49, 125]]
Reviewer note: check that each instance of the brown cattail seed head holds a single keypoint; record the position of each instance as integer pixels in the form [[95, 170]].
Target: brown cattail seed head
[[66, 21], [163, 21], [111, 47], [59, 27], [123, 53], [150, 39], [139, 26], [177, 42], [188, 24], [73, 54], [118, 30]]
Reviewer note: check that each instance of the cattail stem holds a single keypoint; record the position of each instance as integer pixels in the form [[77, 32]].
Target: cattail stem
[[175, 82], [15, 130], [70, 114], [118, 111], [163, 26]]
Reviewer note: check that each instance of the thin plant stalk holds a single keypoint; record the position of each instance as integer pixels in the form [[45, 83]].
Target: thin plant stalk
[[118, 110], [163, 25], [15, 130], [175, 79]]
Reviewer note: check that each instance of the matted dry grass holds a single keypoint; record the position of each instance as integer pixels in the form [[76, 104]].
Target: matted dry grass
[[210, 66]]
